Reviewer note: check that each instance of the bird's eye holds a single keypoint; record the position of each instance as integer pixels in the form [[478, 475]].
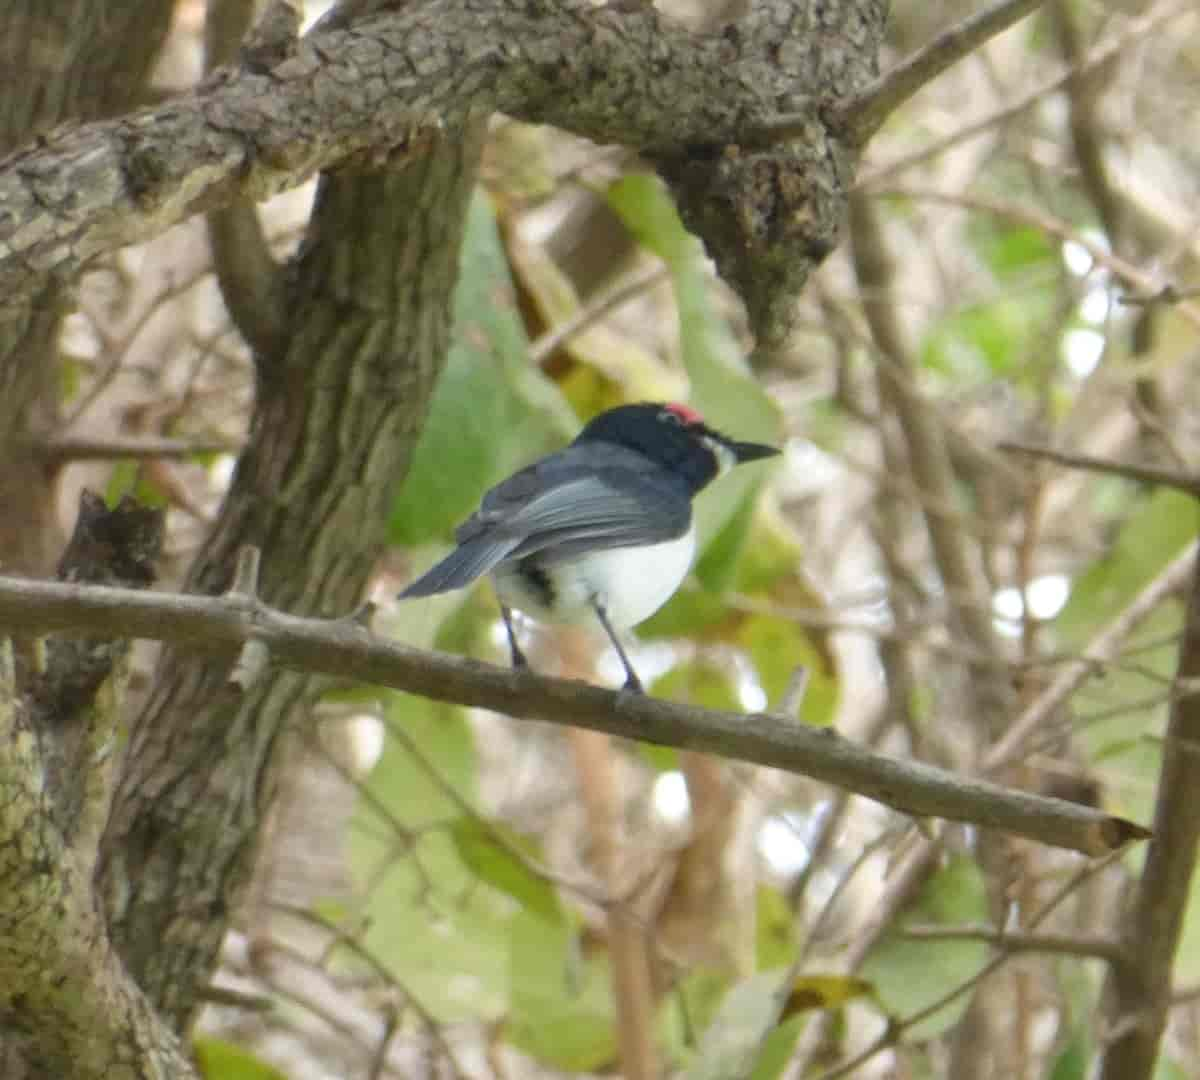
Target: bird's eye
[[668, 416]]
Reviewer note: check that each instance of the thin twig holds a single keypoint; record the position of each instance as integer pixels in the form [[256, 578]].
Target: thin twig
[[64, 448], [633, 284], [1098, 946], [1052, 226], [1102, 648], [862, 116], [896, 1028], [1102, 54], [1147, 474]]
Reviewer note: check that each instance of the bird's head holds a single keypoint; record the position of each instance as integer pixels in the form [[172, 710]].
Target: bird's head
[[675, 437]]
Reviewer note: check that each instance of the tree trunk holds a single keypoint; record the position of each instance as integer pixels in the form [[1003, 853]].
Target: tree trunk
[[338, 412]]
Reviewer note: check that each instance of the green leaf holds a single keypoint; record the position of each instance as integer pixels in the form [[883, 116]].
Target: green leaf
[[688, 613], [400, 781], [777, 647], [1071, 1062], [221, 1060], [426, 919], [909, 975], [1166, 1069], [693, 1005], [985, 340], [488, 852], [774, 929], [562, 1009], [492, 410], [731, 1043], [698, 682], [1152, 535], [777, 1049], [1012, 252], [719, 561], [440, 935]]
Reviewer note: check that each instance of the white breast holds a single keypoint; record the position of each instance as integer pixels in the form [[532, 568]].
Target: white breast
[[630, 583]]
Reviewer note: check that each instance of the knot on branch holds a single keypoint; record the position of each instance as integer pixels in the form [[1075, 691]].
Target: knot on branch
[[768, 216], [117, 547], [113, 547]]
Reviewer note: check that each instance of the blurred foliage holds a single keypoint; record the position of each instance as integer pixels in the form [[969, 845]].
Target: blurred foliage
[[220, 1060], [453, 894], [908, 975]]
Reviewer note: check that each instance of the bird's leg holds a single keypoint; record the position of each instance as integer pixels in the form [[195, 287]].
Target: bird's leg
[[518, 658], [632, 682]]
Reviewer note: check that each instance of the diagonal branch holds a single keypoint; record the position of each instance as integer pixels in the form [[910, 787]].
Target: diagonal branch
[[250, 279], [342, 649], [863, 114], [1146, 474], [1139, 991]]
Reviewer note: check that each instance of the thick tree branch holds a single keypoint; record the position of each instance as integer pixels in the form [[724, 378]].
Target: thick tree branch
[[369, 90], [341, 649], [67, 1001], [863, 114]]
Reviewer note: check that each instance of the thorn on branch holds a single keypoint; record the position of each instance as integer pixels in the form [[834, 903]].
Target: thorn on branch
[[250, 666], [245, 574], [363, 615], [792, 697]]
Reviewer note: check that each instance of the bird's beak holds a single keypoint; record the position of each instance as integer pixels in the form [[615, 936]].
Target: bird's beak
[[751, 451]]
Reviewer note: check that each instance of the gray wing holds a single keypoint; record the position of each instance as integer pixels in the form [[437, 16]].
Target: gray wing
[[570, 502]]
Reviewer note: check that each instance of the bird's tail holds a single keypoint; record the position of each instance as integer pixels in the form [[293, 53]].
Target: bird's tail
[[462, 566]]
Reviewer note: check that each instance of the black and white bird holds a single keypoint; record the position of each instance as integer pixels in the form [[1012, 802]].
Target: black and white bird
[[603, 527]]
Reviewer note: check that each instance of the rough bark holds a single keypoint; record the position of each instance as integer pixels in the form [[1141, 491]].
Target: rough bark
[[699, 106], [62, 60], [67, 1006], [337, 415]]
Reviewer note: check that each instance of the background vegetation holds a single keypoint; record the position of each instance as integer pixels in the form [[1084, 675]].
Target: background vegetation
[[977, 552]]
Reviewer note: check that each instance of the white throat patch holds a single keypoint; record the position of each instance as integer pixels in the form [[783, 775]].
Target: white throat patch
[[726, 458]]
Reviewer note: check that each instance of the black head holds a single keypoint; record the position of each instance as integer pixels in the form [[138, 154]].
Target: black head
[[673, 436]]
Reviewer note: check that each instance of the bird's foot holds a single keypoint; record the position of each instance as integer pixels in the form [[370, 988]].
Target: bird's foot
[[633, 685]]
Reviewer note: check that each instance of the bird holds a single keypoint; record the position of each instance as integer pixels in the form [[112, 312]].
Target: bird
[[602, 528]]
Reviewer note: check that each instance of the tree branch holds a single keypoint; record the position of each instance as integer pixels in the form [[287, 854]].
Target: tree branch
[[247, 273], [1146, 474], [1051, 226], [1099, 651], [1097, 57], [61, 449], [340, 649], [1097, 946], [376, 89], [863, 114], [1139, 991]]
